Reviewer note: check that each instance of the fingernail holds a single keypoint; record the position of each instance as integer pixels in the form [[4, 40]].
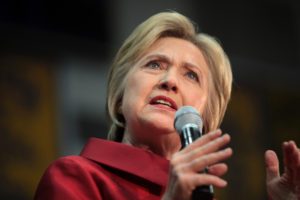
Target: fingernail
[[215, 132], [225, 136], [224, 182], [227, 151]]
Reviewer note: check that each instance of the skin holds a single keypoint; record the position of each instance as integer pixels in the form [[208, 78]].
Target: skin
[[286, 186], [173, 68], [176, 69]]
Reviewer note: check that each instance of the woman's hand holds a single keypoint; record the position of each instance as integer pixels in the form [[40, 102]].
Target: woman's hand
[[185, 165], [287, 186]]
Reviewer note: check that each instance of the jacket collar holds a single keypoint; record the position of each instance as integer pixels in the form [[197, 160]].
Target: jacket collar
[[129, 159]]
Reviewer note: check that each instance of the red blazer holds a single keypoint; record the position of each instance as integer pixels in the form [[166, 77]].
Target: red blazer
[[105, 170]]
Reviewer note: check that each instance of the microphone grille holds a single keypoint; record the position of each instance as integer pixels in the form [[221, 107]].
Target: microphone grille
[[187, 115]]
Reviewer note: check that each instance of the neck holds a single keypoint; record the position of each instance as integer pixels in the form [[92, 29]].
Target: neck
[[164, 145]]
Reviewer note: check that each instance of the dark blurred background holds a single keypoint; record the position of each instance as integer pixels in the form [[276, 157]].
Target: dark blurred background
[[54, 58]]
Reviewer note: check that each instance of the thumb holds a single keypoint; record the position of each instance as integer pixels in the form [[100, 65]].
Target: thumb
[[272, 165]]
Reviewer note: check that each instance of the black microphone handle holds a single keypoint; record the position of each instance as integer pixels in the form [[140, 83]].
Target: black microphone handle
[[187, 136]]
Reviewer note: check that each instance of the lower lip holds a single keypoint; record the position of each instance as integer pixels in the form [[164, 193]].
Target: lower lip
[[163, 107]]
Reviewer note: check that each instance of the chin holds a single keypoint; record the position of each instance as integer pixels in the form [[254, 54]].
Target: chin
[[161, 126], [156, 122]]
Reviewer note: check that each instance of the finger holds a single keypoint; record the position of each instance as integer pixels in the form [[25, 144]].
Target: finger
[[295, 165], [295, 153], [200, 163], [272, 165], [218, 169], [296, 156], [180, 156], [205, 179], [210, 147], [288, 159], [202, 140], [292, 154]]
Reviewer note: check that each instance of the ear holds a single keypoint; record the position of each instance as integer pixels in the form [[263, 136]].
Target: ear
[[119, 109]]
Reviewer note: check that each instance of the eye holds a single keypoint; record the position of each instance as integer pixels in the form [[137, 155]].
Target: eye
[[193, 75], [153, 65]]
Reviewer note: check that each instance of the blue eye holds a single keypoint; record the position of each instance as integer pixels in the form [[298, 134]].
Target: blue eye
[[193, 75], [153, 65]]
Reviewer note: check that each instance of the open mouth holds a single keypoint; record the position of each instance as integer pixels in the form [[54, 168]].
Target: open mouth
[[164, 102]]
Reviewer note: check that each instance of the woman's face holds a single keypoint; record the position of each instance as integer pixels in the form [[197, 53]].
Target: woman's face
[[172, 73]]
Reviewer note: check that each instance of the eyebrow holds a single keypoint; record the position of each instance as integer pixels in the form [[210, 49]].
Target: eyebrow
[[169, 61], [159, 57]]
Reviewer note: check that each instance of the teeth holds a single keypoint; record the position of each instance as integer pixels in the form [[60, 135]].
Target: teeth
[[160, 101]]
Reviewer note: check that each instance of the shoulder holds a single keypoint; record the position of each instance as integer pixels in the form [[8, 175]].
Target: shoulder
[[68, 177], [67, 167], [69, 161]]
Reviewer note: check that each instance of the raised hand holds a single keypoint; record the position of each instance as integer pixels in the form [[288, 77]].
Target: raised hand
[[185, 165], [286, 186]]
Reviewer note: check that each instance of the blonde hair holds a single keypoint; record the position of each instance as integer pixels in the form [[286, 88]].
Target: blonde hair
[[168, 24]]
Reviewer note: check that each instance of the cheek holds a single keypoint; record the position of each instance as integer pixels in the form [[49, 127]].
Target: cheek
[[134, 89], [197, 98], [203, 104], [129, 97], [135, 93]]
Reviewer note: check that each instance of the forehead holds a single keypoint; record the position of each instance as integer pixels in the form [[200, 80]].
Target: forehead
[[172, 41], [176, 50]]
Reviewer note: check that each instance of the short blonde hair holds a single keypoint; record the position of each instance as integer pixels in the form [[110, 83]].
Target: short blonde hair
[[169, 24]]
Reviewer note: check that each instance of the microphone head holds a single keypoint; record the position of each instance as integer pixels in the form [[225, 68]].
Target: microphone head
[[187, 115]]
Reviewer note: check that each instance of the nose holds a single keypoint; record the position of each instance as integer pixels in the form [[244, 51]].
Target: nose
[[169, 82]]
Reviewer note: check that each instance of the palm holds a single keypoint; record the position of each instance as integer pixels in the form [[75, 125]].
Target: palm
[[280, 189], [284, 187]]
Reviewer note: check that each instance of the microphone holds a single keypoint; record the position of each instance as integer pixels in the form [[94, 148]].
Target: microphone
[[188, 123]]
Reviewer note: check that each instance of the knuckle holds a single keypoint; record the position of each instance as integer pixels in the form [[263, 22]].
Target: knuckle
[[205, 160], [182, 180], [177, 170], [173, 162], [210, 137]]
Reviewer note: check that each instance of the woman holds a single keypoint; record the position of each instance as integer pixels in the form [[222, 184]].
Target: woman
[[162, 66]]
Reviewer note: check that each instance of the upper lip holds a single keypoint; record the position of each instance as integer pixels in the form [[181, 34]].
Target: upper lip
[[165, 98]]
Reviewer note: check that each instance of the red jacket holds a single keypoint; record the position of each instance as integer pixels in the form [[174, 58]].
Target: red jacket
[[105, 170]]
